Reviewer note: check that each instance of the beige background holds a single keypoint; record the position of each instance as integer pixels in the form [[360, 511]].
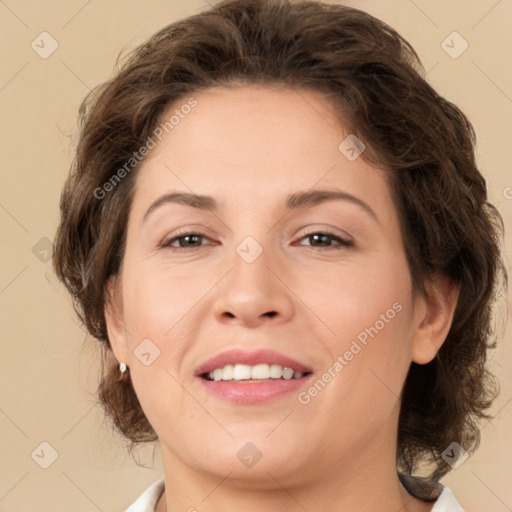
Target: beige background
[[46, 376]]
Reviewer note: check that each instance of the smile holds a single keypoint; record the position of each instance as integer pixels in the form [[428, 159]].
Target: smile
[[258, 372], [245, 377]]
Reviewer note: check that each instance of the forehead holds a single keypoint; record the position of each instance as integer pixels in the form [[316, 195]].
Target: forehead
[[253, 144]]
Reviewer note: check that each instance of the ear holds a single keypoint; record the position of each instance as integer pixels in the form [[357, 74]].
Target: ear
[[114, 319], [433, 318]]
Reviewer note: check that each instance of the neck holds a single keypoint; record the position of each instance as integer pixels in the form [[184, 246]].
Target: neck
[[369, 484]]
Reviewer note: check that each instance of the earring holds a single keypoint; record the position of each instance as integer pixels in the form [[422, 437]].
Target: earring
[[122, 370]]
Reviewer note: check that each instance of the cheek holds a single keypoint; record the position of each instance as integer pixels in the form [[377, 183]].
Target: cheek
[[156, 299], [351, 300], [369, 314], [368, 357], [156, 302]]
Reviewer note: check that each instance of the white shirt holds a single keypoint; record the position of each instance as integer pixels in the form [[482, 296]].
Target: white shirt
[[149, 498]]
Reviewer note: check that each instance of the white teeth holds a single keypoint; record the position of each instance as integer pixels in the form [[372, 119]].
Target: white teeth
[[242, 372], [257, 372], [227, 372], [288, 373], [276, 371], [260, 371]]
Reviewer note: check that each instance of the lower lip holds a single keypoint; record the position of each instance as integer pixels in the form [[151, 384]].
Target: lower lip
[[253, 392]]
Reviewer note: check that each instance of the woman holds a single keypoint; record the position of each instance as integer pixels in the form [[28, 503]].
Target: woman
[[278, 233]]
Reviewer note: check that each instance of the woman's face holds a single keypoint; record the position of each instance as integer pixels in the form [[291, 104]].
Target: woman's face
[[275, 265]]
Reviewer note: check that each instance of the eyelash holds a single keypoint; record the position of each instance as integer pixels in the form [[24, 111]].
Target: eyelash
[[166, 243]]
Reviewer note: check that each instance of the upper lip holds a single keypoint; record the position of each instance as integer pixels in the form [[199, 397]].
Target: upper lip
[[251, 358]]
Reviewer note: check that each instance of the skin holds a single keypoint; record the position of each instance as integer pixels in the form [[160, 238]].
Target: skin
[[249, 147]]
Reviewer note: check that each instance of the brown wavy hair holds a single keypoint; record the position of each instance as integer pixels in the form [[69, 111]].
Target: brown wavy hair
[[424, 141]]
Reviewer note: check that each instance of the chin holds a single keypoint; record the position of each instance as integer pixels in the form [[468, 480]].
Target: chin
[[257, 461]]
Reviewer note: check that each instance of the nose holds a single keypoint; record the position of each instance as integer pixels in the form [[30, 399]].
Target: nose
[[253, 294]]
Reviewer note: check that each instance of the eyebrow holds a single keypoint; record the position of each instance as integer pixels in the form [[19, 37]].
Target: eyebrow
[[295, 201]]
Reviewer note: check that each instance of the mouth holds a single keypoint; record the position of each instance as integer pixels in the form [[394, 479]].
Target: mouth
[[257, 373], [244, 377]]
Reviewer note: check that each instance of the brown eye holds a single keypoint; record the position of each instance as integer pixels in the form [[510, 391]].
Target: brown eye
[[185, 241], [323, 241]]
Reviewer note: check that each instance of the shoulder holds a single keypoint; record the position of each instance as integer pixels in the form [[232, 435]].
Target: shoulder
[[431, 491], [447, 502], [147, 501]]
